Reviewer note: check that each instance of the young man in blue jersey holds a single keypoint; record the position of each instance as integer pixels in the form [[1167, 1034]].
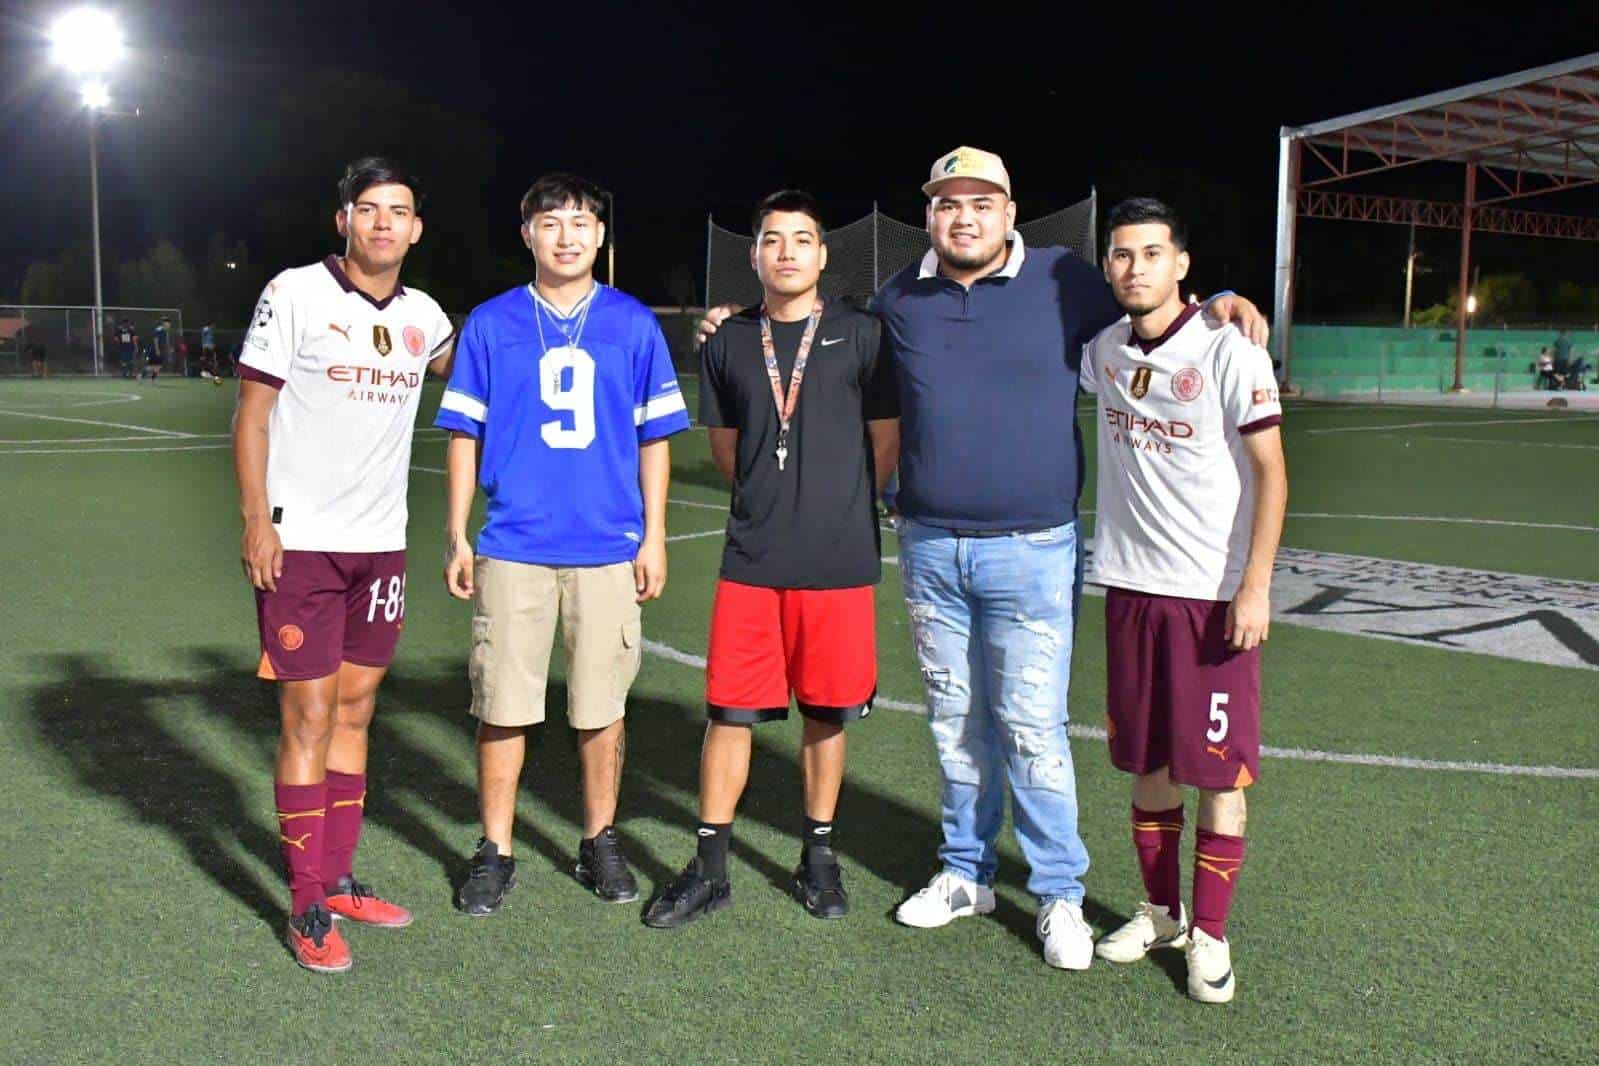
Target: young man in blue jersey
[[560, 404]]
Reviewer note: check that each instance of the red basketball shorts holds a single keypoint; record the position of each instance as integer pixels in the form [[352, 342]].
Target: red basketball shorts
[[331, 608], [819, 644], [1179, 696]]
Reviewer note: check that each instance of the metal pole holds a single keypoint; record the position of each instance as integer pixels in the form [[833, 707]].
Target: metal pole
[[1093, 225], [1465, 278], [1410, 270], [94, 202], [875, 219], [710, 232], [1287, 222]]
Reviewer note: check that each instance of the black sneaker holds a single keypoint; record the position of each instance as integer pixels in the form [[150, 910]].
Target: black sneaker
[[687, 898], [488, 879], [602, 867], [819, 884]]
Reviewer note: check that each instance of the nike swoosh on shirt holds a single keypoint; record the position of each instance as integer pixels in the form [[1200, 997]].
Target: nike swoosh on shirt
[[835, 340]]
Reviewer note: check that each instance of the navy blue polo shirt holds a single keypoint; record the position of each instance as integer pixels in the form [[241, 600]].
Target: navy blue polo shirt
[[988, 387]]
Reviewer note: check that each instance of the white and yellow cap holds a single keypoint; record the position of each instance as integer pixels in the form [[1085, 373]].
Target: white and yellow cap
[[966, 162]]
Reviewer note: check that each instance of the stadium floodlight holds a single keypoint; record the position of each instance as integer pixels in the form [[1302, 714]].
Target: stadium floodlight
[[86, 40], [96, 95], [1471, 304]]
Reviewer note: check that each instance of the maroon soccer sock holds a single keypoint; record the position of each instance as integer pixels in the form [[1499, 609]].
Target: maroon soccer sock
[[346, 805], [1217, 860], [302, 818], [1158, 835]]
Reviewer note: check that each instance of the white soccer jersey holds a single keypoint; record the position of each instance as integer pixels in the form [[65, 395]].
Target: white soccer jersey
[[349, 372], [1175, 493]]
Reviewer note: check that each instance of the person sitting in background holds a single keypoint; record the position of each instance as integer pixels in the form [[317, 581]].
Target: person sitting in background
[[37, 352]]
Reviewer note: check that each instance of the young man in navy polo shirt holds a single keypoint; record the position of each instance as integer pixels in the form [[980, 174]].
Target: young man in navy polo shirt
[[803, 423], [560, 406]]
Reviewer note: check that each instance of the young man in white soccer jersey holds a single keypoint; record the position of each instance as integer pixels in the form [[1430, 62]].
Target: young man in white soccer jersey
[[331, 374], [1191, 494], [560, 406]]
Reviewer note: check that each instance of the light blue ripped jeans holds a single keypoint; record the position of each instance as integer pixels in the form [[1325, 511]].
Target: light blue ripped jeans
[[993, 620]]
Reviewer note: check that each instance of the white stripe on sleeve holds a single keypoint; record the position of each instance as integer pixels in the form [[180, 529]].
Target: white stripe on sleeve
[[659, 407], [462, 404]]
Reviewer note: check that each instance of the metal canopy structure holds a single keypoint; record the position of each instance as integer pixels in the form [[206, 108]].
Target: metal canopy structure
[[1528, 134]]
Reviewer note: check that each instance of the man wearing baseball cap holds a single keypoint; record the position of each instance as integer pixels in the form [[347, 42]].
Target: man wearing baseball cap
[[986, 336]]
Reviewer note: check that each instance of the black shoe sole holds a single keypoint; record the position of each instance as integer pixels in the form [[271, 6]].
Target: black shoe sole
[[796, 888]]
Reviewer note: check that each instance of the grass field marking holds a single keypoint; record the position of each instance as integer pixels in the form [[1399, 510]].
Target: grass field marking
[[1490, 440], [1446, 520], [1540, 420], [675, 537], [1347, 758], [94, 422], [114, 451]]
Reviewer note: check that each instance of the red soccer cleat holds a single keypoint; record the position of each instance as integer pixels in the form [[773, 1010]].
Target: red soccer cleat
[[353, 900], [316, 944]]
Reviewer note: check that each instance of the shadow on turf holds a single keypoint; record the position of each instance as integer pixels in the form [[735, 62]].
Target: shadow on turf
[[123, 737]]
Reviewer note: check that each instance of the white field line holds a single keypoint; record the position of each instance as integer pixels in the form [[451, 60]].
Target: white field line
[[1490, 440], [674, 538], [1445, 520], [115, 451], [1541, 420], [94, 422], [1088, 732], [61, 397]]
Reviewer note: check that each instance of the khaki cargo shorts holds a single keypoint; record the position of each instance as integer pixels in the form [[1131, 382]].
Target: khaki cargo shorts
[[513, 633]]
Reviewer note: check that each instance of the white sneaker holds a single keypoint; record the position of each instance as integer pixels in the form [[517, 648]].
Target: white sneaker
[[1068, 942], [1210, 968], [1152, 927], [947, 896]]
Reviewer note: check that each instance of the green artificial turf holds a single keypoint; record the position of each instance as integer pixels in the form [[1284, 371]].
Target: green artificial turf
[[1384, 914]]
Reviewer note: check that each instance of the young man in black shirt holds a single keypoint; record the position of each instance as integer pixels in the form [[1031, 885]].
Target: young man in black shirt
[[804, 422]]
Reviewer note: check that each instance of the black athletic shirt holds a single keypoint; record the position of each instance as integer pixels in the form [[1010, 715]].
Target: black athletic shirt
[[812, 525]]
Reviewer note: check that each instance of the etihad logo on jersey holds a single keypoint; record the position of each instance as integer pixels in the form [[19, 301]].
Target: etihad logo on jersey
[[1145, 434], [374, 375], [1136, 423], [1260, 396]]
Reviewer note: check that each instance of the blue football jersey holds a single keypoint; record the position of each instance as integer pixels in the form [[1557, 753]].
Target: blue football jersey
[[562, 405]]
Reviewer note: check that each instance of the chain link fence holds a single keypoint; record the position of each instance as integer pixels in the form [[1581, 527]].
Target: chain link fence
[[60, 340], [867, 252]]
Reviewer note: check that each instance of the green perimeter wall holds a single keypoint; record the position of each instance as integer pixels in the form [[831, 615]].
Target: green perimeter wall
[[1373, 358]]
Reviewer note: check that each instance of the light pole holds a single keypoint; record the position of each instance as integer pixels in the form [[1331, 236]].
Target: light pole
[[87, 42]]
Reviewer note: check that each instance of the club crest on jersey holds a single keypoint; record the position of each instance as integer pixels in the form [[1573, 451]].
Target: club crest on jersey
[[381, 340], [415, 343], [1187, 384], [1140, 386]]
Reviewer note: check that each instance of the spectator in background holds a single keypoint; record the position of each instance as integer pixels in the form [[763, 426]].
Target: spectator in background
[[1545, 369], [127, 341], [1562, 350], [37, 352]]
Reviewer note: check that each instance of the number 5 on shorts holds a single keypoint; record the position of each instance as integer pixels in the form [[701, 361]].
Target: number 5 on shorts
[[1218, 718]]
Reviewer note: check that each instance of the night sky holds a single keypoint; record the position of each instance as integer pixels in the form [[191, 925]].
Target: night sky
[[686, 110]]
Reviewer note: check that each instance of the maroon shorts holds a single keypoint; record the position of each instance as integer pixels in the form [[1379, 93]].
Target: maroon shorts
[[331, 608], [821, 644], [1179, 696]]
